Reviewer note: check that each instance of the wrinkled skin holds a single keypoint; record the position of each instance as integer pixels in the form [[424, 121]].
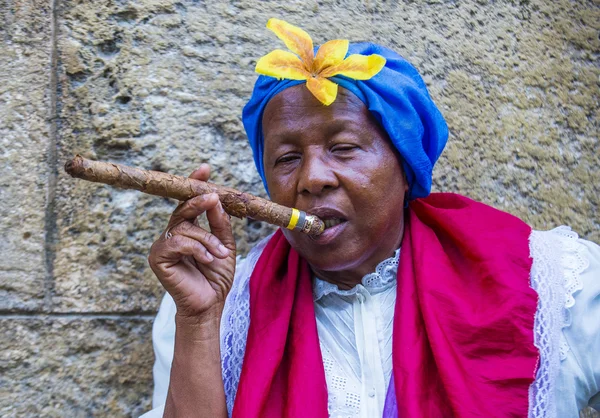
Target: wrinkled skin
[[335, 162], [196, 266]]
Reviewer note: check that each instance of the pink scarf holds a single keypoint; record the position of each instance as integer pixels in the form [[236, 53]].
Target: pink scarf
[[463, 322]]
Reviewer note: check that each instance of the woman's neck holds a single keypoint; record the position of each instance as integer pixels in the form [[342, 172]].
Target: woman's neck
[[348, 278]]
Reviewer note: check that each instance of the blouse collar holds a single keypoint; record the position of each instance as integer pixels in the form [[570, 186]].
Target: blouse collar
[[383, 276]]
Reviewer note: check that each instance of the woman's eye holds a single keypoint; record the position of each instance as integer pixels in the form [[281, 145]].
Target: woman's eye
[[286, 158], [343, 147]]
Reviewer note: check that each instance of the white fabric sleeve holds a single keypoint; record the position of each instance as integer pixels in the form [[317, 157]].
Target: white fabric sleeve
[[566, 276], [578, 382], [163, 342]]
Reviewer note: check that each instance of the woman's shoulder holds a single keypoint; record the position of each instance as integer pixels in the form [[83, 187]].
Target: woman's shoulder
[[566, 275], [559, 255]]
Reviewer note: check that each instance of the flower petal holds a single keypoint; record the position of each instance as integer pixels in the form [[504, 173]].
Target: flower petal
[[298, 41], [282, 64], [358, 67], [324, 90], [330, 53]]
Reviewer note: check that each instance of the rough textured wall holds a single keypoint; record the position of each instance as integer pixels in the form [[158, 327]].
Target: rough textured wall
[[160, 84]]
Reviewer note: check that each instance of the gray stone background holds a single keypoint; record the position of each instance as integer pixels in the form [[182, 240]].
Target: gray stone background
[[160, 84]]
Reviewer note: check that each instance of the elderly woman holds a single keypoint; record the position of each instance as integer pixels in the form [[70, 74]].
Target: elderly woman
[[406, 305]]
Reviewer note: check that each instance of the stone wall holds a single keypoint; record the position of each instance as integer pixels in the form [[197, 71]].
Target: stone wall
[[160, 84]]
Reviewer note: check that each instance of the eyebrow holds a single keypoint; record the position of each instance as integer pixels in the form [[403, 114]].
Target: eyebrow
[[332, 128]]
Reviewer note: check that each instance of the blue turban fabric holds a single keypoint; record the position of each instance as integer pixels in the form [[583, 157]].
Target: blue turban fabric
[[398, 99]]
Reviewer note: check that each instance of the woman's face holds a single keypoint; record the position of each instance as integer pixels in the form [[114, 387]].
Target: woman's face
[[335, 162]]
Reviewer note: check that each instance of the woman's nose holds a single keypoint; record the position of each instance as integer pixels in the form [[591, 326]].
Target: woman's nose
[[316, 176]]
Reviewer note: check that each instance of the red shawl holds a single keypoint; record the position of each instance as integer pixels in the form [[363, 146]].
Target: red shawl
[[463, 322]]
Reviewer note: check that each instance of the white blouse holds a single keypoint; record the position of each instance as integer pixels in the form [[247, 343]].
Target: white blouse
[[355, 333], [355, 329]]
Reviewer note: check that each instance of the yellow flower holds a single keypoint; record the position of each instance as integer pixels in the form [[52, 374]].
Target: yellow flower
[[303, 65]]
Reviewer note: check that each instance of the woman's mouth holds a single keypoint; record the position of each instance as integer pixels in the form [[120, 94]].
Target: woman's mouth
[[333, 229], [332, 222], [335, 222]]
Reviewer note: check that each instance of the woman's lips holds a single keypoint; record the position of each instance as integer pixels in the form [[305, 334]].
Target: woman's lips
[[331, 232], [326, 213], [335, 222]]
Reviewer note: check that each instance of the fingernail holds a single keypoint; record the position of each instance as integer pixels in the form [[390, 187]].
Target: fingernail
[[209, 256], [206, 197], [223, 249]]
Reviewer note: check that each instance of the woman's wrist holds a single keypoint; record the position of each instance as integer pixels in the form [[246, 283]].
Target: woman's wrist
[[206, 322], [196, 385]]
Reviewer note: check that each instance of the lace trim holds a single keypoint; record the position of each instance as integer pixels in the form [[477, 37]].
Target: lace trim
[[384, 274], [558, 261], [573, 262], [235, 322]]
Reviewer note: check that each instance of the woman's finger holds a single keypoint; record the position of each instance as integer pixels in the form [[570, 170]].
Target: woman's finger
[[201, 173], [210, 241], [220, 225], [172, 250], [192, 208]]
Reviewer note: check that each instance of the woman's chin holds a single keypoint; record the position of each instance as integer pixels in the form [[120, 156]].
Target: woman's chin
[[339, 248], [331, 259], [332, 241]]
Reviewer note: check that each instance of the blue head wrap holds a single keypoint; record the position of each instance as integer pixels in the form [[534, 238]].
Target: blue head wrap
[[398, 99]]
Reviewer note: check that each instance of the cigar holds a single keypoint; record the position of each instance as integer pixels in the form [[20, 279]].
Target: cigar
[[157, 183]]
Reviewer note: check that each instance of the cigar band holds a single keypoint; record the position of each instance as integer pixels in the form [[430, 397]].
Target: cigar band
[[294, 219], [308, 223], [301, 224]]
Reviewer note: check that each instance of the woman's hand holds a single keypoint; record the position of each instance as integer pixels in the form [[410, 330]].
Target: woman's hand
[[194, 265]]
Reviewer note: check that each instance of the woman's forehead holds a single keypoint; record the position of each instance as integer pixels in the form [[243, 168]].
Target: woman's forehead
[[296, 106]]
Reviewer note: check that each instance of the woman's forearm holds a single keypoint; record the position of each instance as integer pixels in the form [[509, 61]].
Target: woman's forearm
[[196, 385]]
